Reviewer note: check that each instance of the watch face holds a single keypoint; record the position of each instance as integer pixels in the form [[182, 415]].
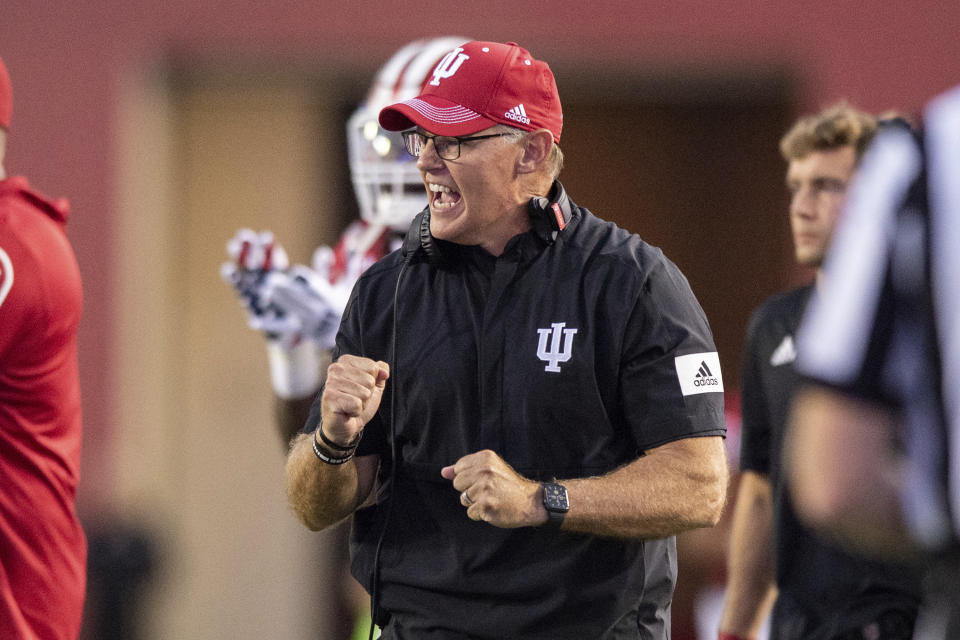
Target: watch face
[[555, 497]]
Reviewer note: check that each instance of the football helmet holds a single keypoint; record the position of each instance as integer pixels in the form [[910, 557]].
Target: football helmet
[[386, 180]]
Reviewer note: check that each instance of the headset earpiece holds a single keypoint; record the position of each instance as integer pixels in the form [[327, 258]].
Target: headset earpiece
[[428, 245], [418, 239], [411, 240]]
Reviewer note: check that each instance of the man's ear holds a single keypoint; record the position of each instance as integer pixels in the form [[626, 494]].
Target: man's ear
[[536, 151]]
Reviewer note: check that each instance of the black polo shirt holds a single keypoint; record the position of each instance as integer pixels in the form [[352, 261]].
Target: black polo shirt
[[569, 356], [823, 590]]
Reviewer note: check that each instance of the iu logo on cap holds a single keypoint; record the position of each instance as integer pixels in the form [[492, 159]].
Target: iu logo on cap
[[448, 65]]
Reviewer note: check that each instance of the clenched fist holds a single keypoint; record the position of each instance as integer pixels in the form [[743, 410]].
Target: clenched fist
[[493, 492], [351, 396]]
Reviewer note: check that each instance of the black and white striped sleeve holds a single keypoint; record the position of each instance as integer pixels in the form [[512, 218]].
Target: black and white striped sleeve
[[885, 321], [942, 121]]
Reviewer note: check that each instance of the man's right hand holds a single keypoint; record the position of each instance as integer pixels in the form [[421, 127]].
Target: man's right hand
[[351, 396]]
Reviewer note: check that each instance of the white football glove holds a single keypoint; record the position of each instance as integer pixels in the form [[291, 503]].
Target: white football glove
[[254, 256], [288, 305], [305, 304]]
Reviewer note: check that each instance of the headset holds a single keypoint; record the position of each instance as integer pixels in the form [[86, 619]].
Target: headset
[[548, 215]]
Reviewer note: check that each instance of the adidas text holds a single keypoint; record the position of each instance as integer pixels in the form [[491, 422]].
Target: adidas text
[[518, 114], [699, 373]]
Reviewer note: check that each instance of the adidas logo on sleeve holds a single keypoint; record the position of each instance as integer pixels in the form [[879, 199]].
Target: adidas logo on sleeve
[[699, 373], [785, 353]]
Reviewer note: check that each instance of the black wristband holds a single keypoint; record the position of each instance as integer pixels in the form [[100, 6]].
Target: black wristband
[[333, 445], [327, 456]]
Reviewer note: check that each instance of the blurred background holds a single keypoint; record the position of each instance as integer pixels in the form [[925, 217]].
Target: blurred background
[[168, 125]]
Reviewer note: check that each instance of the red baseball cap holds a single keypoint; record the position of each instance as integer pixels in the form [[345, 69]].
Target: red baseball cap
[[479, 85], [6, 97]]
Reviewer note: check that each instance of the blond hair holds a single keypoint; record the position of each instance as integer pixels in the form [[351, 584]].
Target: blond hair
[[839, 125]]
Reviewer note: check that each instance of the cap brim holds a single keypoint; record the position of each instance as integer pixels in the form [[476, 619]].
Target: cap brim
[[436, 115]]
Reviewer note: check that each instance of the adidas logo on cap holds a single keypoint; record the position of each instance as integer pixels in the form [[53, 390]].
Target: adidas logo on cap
[[518, 113]]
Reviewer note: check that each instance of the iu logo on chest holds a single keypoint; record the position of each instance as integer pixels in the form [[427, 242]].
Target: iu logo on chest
[[555, 345]]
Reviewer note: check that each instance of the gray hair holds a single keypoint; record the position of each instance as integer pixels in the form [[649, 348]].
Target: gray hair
[[554, 162]]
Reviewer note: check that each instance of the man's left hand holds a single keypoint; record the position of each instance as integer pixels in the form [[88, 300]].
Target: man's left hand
[[494, 493]]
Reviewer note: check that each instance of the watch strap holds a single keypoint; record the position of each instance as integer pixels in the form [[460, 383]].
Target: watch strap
[[554, 519]]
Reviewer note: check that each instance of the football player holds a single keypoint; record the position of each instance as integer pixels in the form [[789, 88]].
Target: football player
[[297, 307]]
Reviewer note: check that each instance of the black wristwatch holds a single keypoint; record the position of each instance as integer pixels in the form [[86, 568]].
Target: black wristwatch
[[555, 502]]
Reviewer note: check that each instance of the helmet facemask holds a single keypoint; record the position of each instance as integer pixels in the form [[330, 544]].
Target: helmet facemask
[[388, 185]]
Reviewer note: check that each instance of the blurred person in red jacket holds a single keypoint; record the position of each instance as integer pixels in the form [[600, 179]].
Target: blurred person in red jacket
[[42, 545]]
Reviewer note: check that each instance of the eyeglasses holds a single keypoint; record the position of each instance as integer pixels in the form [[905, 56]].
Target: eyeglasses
[[448, 147]]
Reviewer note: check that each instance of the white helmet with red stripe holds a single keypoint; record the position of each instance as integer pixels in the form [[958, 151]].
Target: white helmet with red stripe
[[388, 186]]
